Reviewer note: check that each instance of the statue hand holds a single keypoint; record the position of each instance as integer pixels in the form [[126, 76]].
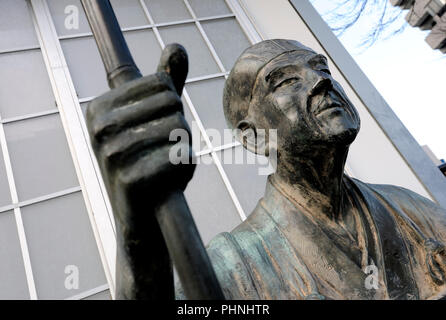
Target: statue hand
[[129, 128]]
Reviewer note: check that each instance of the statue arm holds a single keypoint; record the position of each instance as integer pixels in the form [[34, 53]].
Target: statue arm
[[129, 128]]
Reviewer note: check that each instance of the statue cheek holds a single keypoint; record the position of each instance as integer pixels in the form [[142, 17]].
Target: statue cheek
[[283, 100], [289, 105]]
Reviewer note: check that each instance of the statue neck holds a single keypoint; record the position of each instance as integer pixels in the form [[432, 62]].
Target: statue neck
[[315, 181]]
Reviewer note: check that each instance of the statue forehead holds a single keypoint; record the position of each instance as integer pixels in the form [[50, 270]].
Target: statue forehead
[[294, 58], [271, 48], [268, 54]]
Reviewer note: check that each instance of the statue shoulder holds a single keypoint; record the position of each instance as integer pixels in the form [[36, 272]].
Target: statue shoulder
[[427, 215], [399, 194], [407, 198]]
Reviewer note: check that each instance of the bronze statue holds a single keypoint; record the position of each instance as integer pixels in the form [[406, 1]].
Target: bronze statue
[[315, 231]]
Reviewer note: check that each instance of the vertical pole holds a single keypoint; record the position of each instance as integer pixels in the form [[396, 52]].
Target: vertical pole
[[180, 233], [115, 54]]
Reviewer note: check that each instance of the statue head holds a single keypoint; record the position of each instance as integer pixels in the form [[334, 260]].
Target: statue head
[[283, 85]]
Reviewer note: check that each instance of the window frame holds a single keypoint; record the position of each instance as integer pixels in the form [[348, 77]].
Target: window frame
[[69, 105]]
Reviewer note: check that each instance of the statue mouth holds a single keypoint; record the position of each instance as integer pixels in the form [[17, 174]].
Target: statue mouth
[[326, 101], [327, 107]]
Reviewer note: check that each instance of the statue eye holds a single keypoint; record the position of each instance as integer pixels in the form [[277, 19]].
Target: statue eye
[[287, 81]]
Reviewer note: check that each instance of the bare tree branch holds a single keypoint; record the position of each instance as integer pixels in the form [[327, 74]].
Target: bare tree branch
[[382, 19]]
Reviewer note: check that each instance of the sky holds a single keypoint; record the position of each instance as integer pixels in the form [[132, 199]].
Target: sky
[[407, 73]]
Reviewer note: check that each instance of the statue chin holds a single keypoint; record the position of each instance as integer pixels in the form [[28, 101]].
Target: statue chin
[[345, 137], [339, 136], [341, 130]]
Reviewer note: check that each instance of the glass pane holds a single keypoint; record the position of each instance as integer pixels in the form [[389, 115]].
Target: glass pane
[[201, 61], [40, 157], [16, 26], [86, 67], [104, 295], [229, 44], [187, 114], [167, 10], [209, 201], [129, 13], [63, 20], [5, 195], [206, 8], [59, 235], [12, 272], [145, 50], [198, 143], [242, 168], [24, 84], [207, 99]]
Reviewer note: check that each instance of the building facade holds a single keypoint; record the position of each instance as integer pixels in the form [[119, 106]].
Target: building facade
[[427, 15], [58, 236]]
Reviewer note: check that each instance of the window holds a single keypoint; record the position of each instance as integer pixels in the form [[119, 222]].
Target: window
[[43, 219], [148, 25]]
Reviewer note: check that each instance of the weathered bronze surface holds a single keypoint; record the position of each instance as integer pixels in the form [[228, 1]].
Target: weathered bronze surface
[[316, 230], [129, 127]]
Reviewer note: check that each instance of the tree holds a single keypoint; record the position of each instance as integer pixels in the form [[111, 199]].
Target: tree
[[384, 19]]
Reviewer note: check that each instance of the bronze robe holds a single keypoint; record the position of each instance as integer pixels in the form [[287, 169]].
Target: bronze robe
[[280, 252]]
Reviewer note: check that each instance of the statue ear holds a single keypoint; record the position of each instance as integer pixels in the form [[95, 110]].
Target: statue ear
[[246, 133]]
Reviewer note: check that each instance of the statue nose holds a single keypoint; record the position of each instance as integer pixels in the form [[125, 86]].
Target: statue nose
[[321, 84]]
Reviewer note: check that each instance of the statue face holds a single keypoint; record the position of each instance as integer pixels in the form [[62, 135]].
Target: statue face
[[297, 95]]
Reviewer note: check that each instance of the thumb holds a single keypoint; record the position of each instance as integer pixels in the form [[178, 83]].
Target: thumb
[[174, 61]]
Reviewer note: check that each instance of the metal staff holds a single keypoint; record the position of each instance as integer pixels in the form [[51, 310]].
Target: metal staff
[[175, 220]]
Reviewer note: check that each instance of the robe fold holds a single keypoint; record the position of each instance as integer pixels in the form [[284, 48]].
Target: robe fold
[[283, 252]]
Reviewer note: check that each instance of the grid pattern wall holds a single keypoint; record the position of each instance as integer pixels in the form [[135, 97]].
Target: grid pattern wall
[[220, 194], [44, 225]]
